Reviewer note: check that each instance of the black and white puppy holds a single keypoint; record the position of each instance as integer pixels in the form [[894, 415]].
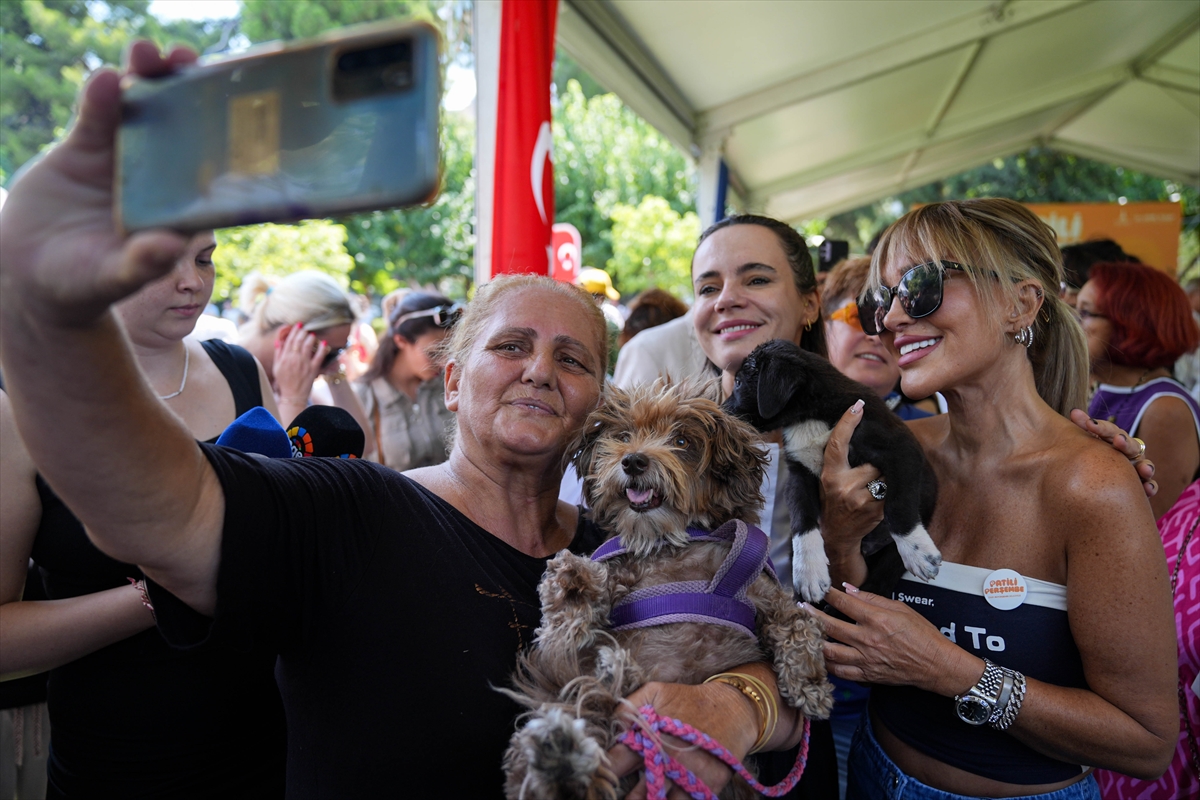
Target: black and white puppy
[[781, 386]]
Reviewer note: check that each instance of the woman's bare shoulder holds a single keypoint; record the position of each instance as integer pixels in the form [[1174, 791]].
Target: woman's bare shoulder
[[16, 458], [1089, 486]]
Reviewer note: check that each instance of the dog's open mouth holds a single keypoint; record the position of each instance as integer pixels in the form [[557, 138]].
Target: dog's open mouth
[[643, 499]]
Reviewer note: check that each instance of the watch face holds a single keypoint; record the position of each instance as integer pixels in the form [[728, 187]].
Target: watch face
[[973, 711]]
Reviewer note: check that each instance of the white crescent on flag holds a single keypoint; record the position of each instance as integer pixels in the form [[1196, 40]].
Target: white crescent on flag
[[542, 150]]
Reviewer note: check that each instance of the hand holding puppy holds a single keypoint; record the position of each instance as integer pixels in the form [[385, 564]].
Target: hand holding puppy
[[849, 512]]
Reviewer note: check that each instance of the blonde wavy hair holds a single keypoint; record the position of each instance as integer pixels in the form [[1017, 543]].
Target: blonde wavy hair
[[310, 297], [1001, 243]]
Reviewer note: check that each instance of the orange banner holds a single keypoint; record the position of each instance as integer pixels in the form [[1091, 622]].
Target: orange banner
[[1149, 231]]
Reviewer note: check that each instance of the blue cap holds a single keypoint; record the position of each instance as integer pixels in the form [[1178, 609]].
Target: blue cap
[[256, 431]]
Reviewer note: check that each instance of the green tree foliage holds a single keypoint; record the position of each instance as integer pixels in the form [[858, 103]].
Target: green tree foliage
[[279, 250], [49, 47], [605, 155], [652, 246], [427, 245], [1039, 175], [266, 20]]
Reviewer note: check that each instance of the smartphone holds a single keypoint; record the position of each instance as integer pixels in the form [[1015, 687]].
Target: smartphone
[[341, 123]]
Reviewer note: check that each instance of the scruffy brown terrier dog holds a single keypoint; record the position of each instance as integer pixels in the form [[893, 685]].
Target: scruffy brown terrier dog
[[655, 461]]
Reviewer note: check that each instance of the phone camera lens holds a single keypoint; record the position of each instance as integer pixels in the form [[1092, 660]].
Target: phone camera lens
[[373, 71]]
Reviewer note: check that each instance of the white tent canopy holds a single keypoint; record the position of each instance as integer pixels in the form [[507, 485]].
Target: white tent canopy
[[820, 106]]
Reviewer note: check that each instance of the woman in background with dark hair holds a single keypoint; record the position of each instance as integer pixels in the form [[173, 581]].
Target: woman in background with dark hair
[[1138, 323], [1078, 259], [402, 391], [651, 308]]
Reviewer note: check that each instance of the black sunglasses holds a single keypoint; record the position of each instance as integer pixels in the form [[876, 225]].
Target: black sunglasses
[[443, 316], [919, 292]]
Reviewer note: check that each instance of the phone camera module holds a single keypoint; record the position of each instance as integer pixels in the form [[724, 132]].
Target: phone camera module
[[373, 71]]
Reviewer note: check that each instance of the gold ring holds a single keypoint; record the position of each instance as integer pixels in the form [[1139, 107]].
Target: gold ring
[[1141, 448]]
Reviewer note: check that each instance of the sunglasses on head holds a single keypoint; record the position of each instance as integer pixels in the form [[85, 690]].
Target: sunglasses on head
[[443, 316], [919, 292]]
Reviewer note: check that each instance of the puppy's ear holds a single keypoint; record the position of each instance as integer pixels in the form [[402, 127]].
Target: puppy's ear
[[778, 380], [613, 403], [738, 461]]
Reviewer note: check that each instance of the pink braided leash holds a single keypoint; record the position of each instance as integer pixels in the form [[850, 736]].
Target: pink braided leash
[[660, 766]]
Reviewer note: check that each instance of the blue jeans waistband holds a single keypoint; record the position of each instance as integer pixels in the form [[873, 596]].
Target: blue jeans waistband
[[874, 776]]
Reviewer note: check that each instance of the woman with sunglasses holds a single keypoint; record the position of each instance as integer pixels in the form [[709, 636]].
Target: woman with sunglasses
[[1045, 645], [402, 391], [856, 354], [298, 330]]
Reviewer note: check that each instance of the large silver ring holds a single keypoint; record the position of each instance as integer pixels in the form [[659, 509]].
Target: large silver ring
[[877, 488]]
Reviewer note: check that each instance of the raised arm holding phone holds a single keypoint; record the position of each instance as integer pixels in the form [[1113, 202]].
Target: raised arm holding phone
[[396, 602]]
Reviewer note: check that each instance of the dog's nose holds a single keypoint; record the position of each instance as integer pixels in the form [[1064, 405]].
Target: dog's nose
[[634, 463]]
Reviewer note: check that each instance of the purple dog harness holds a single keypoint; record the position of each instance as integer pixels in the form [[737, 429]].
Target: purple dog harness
[[721, 601]]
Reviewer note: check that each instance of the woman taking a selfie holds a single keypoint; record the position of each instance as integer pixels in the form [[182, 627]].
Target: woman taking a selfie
[[1044, 646], [130, 716], [396, 602]]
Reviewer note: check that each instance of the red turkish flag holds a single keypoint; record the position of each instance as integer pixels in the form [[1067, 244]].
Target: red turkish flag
[[523, 201]]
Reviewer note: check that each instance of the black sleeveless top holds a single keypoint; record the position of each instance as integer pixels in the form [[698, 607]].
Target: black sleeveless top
[[139, 718], [240, 371]]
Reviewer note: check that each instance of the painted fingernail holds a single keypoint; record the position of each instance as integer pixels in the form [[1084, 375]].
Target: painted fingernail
[[850, 588], [857, 407], [324, 343], [1093, 421]]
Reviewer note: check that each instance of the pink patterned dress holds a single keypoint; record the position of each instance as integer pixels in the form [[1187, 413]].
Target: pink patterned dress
[[1182, 778]]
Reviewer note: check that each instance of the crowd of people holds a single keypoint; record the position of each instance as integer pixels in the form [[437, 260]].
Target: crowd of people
[[219, 625]]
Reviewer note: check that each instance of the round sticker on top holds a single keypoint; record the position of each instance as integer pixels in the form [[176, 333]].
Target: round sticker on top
[[1005, 589]]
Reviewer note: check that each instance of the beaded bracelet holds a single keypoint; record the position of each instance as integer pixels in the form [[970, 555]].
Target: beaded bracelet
[[140, 585], [761, 696]]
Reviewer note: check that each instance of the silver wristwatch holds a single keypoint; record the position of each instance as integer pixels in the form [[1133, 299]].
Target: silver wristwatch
[[986, 700]]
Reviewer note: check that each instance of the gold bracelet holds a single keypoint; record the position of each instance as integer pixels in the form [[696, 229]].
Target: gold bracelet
[[337, 377], [761, 696]]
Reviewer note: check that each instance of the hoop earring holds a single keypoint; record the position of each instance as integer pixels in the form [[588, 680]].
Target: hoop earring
[[808, 327], [1024, 336]]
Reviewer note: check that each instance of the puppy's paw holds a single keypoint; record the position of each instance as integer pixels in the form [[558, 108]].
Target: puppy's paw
[[575, 602], [815, 699], [919, 554], [560, 759], [810, 566], [617, 672]]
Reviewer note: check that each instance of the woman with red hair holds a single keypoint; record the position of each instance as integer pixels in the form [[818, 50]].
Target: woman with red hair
[[1138, 323]]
